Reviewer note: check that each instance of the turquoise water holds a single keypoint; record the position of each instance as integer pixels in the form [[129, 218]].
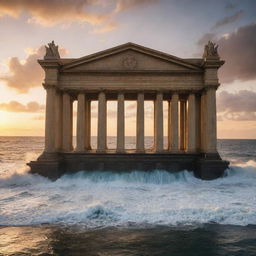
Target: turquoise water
[[136, 213]]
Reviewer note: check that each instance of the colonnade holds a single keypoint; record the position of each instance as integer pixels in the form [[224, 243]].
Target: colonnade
[[191, 122]]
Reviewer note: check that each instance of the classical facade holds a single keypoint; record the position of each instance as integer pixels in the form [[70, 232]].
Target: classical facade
[[131, 72]]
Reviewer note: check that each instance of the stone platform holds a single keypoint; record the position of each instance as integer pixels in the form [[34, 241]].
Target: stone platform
[[55, 165]]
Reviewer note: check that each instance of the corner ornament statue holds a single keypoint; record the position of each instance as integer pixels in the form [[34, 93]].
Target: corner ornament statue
[[52, 51], [131, 72], [211, 50]]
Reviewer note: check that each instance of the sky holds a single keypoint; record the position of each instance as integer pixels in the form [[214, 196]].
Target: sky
[[82, 27]]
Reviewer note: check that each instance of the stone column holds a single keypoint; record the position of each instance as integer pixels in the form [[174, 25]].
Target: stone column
[[102, 123], [198, 122], [182, 124], [174, 126], [140, 123], [210, 120], [202, 121], [87, 124], [50, 119], [191, 115], [80, 131], [120, 123], [158, 120], [67, 131], [169, 126], [58, 121]]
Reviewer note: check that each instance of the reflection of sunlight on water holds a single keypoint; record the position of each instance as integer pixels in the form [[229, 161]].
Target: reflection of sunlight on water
[[250, 163], [24, 240], [140, 240]]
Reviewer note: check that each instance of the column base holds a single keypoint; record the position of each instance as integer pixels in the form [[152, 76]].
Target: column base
[[101, 150], [120, 151], [48, 165], [210, 167]]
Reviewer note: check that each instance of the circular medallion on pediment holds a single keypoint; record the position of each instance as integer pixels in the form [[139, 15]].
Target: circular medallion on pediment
[[129, 62]]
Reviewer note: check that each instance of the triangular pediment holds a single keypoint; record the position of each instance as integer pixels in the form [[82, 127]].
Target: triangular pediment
[[129, 57]]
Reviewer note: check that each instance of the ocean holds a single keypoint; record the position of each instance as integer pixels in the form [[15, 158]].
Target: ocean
[[135, 213]]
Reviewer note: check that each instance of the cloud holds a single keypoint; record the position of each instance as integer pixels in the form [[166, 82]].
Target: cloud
[[238, 49], [229, 19], [15, 106], [123, 5], [242, 116], [243, 100], [98, 13], [237, 106], [52, 12], [104, 29], [205, 38], [27, 74]]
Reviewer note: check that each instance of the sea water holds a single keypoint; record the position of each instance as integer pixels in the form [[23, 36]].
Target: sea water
[[132, 213]]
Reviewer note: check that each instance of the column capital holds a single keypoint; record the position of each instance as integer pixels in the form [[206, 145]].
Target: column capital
[[183, 96], [49, 86], [120, 92], [102, 90], [191, 93], [159, 91], [175, 92], [212, 86]]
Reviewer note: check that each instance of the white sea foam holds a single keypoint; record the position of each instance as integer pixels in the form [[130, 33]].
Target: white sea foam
[[108, 199]]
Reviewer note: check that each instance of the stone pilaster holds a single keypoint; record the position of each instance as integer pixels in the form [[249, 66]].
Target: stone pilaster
[[210, 121], [80, 131], [140, 123], [87, 124], [50, 119], [191, 116], [182, 134], [102, 123], [198, 122], [120, 123], [158, 120], [58, 121], [174, 134], [67, 132]]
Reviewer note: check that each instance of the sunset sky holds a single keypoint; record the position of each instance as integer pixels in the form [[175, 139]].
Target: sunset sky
[[82, 27]]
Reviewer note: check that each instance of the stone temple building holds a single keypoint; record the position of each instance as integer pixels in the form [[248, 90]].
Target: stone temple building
[[124, 73]]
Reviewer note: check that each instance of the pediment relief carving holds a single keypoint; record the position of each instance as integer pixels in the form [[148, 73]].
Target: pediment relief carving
[[124, 58]]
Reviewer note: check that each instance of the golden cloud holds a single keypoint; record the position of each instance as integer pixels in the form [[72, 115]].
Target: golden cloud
[[51, 12], [15, 106], [98, 13], [123, 5], [27, 74]]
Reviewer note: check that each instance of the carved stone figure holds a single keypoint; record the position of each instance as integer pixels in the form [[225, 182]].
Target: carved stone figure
[[129, 62], [211, 50], [52, 51]]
